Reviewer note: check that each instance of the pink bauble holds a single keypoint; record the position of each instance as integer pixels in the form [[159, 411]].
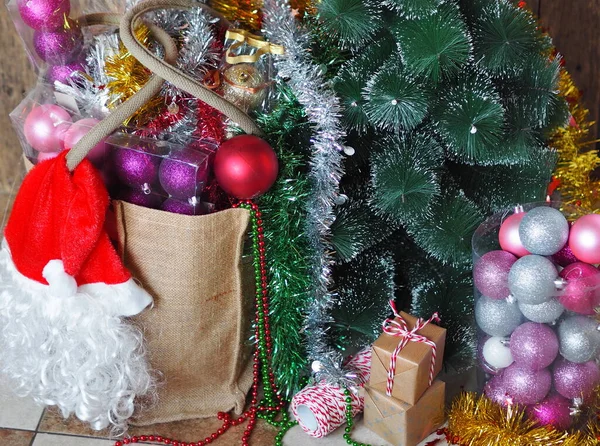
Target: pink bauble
[[553, 411], [584, 239], [527, 386], [534, 346], [44, 14], [77, 131], [45, 127], [582, 292], [495, 389], [565, 256], [63, 73], [43, 156], [509, 235], [490, 274], [573, 380]]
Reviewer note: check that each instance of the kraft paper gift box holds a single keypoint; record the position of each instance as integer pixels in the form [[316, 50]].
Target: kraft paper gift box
[[413, 362], [403, 424]]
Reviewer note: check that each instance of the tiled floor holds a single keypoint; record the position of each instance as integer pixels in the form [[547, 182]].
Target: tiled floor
[[22, 423]]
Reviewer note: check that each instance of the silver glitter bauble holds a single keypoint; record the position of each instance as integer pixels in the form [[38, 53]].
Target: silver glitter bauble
[[497, 317], [544, 313], [531, 279], [579, 339], [544, 231]]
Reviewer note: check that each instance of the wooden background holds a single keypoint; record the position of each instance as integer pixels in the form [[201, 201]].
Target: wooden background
[[573, 24]]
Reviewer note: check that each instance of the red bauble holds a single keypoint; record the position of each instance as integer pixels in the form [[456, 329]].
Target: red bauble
[[246, 166]]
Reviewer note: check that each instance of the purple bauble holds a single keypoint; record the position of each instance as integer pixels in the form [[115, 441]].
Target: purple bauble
[[527, 386], [137, 167], [184, 173], [59, 46], [490, 274], [565, 256], [45, 127], [183, 207], [574, 380], [553, 411], [533, 345], [495, 389], [139, 198], [46, 15], [62, 73]]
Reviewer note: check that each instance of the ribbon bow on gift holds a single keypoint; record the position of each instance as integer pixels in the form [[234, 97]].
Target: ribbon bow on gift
[[397, 327]]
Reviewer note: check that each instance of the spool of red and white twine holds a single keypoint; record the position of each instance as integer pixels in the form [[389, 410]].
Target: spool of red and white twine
[[321, 408]]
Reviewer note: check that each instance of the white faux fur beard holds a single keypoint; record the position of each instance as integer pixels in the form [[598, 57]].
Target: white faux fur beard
[[74, 352]]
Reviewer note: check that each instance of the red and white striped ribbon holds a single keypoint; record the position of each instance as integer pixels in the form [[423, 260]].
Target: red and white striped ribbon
[[321, 408], [398, 327]]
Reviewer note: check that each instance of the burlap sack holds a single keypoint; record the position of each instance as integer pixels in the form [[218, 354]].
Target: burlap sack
[[197, 332]]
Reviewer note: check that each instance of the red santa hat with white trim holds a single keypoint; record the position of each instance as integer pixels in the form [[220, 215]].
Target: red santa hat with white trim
[[56, 238]]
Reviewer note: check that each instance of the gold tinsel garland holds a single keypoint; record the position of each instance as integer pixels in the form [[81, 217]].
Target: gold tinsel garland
[[248, 12], [128, 76], [576, 157], [474, 420]]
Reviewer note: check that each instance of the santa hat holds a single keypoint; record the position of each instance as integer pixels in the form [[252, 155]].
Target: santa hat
[[56, 237]]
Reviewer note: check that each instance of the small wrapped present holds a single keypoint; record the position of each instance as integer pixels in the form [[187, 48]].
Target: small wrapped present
[[407, 356], [403, 424]]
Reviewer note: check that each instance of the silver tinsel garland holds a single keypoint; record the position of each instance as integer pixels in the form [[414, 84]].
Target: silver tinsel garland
[[323, 111]]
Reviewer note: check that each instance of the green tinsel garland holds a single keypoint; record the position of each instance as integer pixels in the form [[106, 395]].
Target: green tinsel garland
[[284, 216]]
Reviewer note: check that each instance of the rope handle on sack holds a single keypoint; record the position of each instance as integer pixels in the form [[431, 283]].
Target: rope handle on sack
[[162, 70]]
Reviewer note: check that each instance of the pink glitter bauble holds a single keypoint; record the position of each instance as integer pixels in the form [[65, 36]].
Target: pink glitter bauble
[[509, 235], [183, 207], [495, 389], [565, 256], [77, 131], [490, 274], [45, 127], [582, 292], [584, 238], [62, 73], [46, 15], [573, 380], [534, 346], [553, 411], [59, 46], [527, 386]]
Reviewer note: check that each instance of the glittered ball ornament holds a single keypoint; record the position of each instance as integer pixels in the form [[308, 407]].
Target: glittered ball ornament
[[63, 73], [555, 410], [490, 274], [584, 239], [137, 167], [534, 346], [44, 14], [45, 127], [496, 352], [509, 235], [546, 313], [59, 46], [581, 294], [77, 131], [495, 389], [565, 256], [525, 385], [184, 173], [573, 380], [245, 166], [497, 317], [140, 198], [183, 207], [244, 85], [544, 231], [579, 338], [532, 279]]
